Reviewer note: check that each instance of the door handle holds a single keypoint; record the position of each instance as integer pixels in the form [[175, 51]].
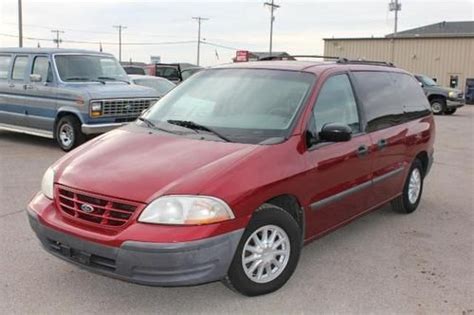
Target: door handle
[[362, 151], [382, 143], [28, 87], [11, 85]]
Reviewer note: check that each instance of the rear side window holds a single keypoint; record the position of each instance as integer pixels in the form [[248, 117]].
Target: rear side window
[[4, 66], [19, 68], [41, 67], [379, 96], [336, 104], [411, 95]]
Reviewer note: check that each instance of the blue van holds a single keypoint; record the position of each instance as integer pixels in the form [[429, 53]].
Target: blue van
[[67, 94]]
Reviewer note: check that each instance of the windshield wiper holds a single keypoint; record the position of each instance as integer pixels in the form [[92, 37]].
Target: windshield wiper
[[152, 125], [83, 79], [113, 79], [195, 126]]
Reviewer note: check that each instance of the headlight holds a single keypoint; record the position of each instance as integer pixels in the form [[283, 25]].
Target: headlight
[[47, 184], [96, 109], [186, 210], [452, 94]]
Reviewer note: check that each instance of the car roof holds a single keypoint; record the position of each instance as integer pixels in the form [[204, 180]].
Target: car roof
[[13, 50], [307, 66]]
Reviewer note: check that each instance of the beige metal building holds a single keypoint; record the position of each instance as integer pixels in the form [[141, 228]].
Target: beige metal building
[[444, 51]]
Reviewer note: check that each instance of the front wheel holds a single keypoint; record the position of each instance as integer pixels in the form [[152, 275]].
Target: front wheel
[[411, 195], [267, 254], [438, 106], [68, 133]]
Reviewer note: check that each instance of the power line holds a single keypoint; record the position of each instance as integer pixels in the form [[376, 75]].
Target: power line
[[199, 19], [273, 7], [57, 40], [120, 27]]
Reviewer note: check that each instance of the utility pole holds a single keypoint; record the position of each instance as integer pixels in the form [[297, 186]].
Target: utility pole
[[273, 7], [57, 40], [199, 19], [120, 28], [20, 25], [394, 5]]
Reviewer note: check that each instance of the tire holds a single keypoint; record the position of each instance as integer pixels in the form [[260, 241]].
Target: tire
[[450, 111], [275, 220], [438, 106], [407, 203], [68, 133]]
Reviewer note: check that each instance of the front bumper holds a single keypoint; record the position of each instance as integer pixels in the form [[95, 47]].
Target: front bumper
[[455, 103], [157, 264], [92, 129]]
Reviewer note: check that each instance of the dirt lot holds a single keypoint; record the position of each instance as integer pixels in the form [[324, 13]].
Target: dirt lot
[[383, 263]]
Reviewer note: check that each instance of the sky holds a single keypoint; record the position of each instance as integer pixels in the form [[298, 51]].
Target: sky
[[166, 28]]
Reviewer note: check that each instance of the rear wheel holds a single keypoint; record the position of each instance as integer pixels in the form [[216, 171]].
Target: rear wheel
[[68, 133], [450, 111], [438, 106], [267, 254], [411, 195]]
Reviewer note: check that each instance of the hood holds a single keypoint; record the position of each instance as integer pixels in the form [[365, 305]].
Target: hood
[[115, 90], [443, 89], [135, 164]]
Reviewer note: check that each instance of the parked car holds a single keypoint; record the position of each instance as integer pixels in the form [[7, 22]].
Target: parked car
[[160, 85], [66, 94], [230, 173], [130, 69], [175, 72], [443, 100]]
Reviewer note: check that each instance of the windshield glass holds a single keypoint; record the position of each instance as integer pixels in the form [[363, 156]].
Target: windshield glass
[[244, 105], [161, 86], [427, 81], [89, 68]]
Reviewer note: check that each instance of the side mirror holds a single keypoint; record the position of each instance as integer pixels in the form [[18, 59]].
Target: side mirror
[[421, 84], [335, 132], [35, 78]]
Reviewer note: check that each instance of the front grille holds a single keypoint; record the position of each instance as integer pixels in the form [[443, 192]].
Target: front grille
[[126, 107], [94, 209]]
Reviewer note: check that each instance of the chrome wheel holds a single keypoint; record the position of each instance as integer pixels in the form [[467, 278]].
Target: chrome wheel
[[414, 186], [66, 135], [437, 107], [266, 253]]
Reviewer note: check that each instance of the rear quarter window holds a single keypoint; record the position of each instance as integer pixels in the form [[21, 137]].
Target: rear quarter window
[[379, 96], [4, 66], [413, 99]]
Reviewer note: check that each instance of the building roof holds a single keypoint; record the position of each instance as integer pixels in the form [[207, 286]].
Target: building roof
[[441, 29], [26, 50], [437, 30]]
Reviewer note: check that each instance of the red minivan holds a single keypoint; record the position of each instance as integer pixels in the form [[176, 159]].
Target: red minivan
[[228, 175]]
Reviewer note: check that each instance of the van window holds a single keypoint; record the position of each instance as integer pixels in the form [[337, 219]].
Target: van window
[[379, 96], [411, 95], [41, 67], [19, 68], [336, 104], [4, 66]]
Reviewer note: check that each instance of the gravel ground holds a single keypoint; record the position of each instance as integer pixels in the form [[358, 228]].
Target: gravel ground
[[382, 263]]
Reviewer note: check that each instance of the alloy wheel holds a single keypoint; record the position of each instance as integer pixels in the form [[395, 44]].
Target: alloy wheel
[[266, 254]]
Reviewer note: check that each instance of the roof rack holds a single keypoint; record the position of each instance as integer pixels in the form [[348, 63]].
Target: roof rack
[[340, 60], [365, 62]]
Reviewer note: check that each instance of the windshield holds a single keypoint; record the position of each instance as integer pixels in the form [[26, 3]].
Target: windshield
[[89, 68], [161, 86], [427, 81], [244, 105]]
